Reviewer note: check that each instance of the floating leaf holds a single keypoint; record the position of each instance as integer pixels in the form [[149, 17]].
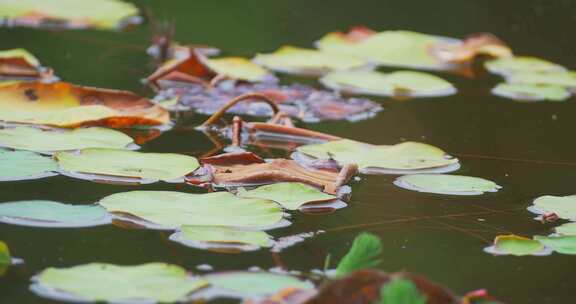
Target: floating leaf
[[219, 238], [17, 64], [563, 206], [401, 291], [402, 83], [290, 195], [406, 157], [66, 105], [529, 92], [124, 163], [364, 254], [34, 139], [446, 184], [237, 68], [156, 282], [296, 60], [516, 245], [563, 79], [566, 229], [5, 258], [243, 284], [171, 209], [21, 165], [521, 64], [52, 214], [474, 45], [560, 244], [67, 14]]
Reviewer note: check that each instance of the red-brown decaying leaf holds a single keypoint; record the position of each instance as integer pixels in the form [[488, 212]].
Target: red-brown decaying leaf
[[472, 46]]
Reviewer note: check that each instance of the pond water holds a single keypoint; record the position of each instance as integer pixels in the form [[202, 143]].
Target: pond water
[[526, 148]]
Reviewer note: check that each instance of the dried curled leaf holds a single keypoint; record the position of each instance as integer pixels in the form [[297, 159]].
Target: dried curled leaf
[[18, 64], [472, 46], [66, 105]]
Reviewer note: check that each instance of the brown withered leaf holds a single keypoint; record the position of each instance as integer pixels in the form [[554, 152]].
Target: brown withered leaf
[[66, 105], [19, 64], [474, 45]]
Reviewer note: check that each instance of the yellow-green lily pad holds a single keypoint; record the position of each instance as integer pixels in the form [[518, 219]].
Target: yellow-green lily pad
[[563, 206], [147, 167], [289, 195], [100, 282], [296, 60], [401, 83], [220, 238], [521, 64], [517, 246], [47, 141], [566, 229], [561, 244], [562, 79], [406, 157], [22, 165], [238, 68], [52, 214], [446, 184], [5, 258], [170, 209], [530, 92]]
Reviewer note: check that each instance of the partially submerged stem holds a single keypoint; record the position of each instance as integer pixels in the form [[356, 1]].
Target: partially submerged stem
[[260, 97]]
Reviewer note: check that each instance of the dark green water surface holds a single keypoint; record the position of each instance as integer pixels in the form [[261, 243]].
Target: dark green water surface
[[529, 149]]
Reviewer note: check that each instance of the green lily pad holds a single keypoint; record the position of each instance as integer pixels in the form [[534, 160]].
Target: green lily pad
[[530, 92], [52, 214], [244, 284], [290, 195], [401, 83], [390, 48], [238, 68], [406, 157], [22, 165], [403, 291], [560, 244], [46, 141], [446, 184], [157, 282], [563, 206], [516, 245], [149, 167], [295, 60], [170, 209], [562, 79], [101, 14], [521, 64], [5, 258], [566, 229], [220, 238]]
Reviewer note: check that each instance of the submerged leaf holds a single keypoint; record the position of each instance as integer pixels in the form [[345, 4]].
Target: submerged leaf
[[99, 282], [62, 104], [401, 291], [170, 209], [68, 14], [5, 258], [243, 284], [446, 184], [364, 254], [563, 206], [45, 141], [530, 92], [516, 245], [566, 229], [560, 244], [238, 68], [22, 165], [290, 195], [124, 163], [401, 83], [52, 214], [294, 60], [521, 64], [220, 238]]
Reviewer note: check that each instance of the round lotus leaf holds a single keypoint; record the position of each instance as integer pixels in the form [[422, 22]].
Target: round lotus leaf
[[243, 284], [52, 214], [21, 165], [172, 209], [516, 245], [562, 79], [403, 157], [307, 61], [222, 238], [156, 282], [530, 92], [289, 195], [560, 244], [237, 68], [446, 184], [124, 163], [102, 14], [34, 139], [521, 64], [563, 206], [402, 83], [566, 229]]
